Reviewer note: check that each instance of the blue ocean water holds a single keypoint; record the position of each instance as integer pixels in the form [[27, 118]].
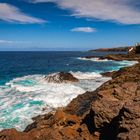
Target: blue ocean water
[[17, 64], [24, 93]]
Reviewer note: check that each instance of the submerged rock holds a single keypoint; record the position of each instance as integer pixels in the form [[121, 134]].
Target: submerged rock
[[61, 77]]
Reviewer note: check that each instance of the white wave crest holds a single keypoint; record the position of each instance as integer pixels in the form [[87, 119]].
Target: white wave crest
[[123, 63], [127, 63], [96, 59], [25, 97], [86, 75]]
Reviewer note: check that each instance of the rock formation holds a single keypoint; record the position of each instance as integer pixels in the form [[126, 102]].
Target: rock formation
[[61, 77]]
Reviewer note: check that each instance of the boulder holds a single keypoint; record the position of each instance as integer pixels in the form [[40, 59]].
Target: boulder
[[61, 77]]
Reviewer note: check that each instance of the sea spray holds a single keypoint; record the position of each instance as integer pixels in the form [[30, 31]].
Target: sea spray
[[25, 97]]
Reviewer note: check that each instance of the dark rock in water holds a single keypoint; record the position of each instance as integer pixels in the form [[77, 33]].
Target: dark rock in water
[[113, 57], [108, 74], [61, 77], [89, 57]]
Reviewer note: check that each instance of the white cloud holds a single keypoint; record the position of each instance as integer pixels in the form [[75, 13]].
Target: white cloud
[[13, 14], [83, 29], [11, 42], [121, 11], [5, 41]]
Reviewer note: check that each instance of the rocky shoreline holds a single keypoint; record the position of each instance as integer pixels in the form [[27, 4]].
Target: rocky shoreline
[[111, 112]]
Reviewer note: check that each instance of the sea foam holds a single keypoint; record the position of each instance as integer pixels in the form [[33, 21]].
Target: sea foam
[[96, 59], [123, 63], [25, 97]]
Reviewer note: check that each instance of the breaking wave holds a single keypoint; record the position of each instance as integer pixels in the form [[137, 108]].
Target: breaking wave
[[26, 97], [118, 64], [96, 59]]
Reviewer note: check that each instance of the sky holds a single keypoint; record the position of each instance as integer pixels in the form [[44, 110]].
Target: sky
[[39, 25]]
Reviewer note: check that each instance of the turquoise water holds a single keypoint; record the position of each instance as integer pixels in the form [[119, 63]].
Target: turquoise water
[[24, 93]]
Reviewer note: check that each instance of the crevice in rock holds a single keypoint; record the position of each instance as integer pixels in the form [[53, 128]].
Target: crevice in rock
[[89, 121], [110, 131]]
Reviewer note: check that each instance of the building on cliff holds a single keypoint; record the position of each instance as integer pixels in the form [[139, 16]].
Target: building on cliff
[[134, 49]]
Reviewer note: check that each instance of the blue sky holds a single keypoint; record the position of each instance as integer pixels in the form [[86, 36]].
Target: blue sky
[[68, 24]]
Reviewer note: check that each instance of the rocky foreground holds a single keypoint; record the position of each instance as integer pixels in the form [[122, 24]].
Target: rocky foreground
[[112, 112]]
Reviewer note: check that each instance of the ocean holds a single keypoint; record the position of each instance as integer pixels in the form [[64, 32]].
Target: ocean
[[24, 94]]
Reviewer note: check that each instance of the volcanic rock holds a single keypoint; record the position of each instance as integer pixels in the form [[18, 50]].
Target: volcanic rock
[[129, 121], [61, 77]]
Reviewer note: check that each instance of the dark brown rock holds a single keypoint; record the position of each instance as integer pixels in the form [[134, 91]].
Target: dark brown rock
[[13, 134], [129, 121], [61, 77], [108, 74], [81, 104]]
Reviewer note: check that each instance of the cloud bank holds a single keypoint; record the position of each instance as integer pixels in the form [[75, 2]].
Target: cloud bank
[[83, 29], [11, 42], [121, 11], [13, 14]]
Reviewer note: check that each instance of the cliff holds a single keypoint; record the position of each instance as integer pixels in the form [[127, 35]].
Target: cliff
[[112, 112]]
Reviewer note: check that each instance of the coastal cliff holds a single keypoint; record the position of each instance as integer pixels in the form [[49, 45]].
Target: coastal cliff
[[129, 49], [118, 49], [111, 112]]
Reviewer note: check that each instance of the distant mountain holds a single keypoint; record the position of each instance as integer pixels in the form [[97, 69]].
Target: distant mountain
[[118, 49]]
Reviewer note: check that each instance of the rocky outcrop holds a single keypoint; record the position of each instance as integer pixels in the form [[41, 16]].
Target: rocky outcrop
[[120, 57], [112, 112], [58, 126], [129, 121], [118, 95], [116, 57], [81, 104], [61, 77]]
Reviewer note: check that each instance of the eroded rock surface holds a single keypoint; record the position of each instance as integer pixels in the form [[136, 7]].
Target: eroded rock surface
[[61, 77], [129, 121]]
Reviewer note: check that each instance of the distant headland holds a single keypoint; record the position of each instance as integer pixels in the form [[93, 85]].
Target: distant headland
[[129, 49]]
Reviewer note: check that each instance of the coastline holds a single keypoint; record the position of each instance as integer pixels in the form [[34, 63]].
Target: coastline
[[92, 115]]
